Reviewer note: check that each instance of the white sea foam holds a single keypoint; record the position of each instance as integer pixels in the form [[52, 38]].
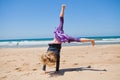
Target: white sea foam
[[8, 43], [33, 43], [23, 43], [112, 39]]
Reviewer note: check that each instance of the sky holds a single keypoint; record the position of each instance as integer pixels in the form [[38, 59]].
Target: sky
[[39, 18]]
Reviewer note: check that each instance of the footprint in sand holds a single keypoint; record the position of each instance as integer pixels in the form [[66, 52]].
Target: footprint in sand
[[25, 64], [118, 56], [1, 78], [34, 69], [64, 61], [89, 66], [18, 69], [75, 64]]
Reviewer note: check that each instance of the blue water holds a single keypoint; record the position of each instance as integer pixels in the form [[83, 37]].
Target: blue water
[[39, 42], [34, 39]]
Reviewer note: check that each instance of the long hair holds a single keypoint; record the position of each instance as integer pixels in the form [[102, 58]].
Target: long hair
[[49, 58]]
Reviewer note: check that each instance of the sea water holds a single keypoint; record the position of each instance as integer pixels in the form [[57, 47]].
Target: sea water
[[42, 42]]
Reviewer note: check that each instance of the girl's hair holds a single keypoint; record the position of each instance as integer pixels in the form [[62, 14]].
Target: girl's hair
[[49, 58]]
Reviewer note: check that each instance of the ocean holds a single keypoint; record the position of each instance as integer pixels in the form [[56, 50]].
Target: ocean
[[43, 42]]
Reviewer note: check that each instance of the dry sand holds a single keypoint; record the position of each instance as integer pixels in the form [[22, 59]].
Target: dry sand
[[24, 63]]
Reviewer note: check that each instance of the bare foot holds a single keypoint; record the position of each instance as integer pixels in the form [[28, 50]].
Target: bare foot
[[93, 42], [63, 5]]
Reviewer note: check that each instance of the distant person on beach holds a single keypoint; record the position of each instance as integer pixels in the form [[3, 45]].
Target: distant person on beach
[[52, 56], [17, 44]]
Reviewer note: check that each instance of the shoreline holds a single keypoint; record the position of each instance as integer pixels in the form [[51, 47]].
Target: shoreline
[[43, 42], [63, 44]]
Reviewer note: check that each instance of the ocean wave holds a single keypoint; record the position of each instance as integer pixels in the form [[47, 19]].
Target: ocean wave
[[112, 39], [33, 43], [23, 43]]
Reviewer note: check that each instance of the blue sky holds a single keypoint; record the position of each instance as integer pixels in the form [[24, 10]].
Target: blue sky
[[38, 18]]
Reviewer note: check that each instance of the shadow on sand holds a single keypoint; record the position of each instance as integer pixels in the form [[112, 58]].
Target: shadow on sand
[[62, 71]]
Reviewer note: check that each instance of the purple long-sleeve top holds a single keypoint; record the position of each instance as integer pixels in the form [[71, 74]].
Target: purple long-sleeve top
[[61, 36]]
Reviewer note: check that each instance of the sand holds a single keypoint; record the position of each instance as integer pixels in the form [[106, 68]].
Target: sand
[[101, 62]]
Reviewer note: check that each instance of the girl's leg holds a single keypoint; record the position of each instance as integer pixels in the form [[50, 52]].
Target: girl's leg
[[60, 27], [87, 40], [62, 10]]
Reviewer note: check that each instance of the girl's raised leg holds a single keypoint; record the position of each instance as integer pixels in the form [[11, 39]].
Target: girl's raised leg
[[62, 10]]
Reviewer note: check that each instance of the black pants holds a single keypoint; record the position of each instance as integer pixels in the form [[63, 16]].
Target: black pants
[[55, 48]]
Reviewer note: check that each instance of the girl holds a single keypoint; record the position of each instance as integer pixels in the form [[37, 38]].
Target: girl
[[53, 53]]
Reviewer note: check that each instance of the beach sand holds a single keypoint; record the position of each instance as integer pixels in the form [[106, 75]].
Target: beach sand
[[101, 62]]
